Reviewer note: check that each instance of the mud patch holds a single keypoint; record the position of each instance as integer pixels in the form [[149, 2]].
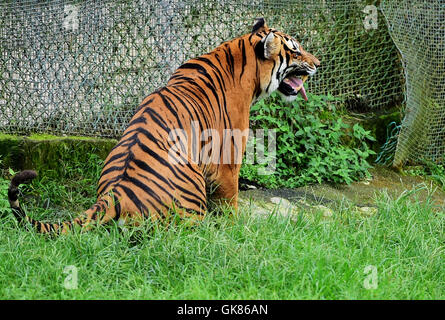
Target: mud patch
[[361, 196]]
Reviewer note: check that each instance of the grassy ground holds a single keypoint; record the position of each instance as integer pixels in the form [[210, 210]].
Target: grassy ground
[[396, 254]]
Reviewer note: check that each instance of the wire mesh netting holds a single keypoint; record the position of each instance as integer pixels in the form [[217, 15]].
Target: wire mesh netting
[[82, 67], [418, 30]]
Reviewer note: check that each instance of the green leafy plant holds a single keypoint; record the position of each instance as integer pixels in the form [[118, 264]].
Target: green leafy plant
[[4, 185], [431, 170], [4, 204], [313, 144]]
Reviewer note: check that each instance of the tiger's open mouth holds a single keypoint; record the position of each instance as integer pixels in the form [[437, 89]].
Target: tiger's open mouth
[[293, 85]]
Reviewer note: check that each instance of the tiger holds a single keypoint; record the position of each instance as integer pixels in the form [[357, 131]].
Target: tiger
[[143, 179]]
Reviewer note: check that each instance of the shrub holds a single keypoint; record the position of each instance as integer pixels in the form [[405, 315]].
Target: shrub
[[429, 169], [313, 144]]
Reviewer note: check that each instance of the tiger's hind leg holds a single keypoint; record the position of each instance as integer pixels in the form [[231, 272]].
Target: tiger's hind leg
[[226, 187]]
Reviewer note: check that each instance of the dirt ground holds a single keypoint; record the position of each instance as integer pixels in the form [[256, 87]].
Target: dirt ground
[[363, 194]]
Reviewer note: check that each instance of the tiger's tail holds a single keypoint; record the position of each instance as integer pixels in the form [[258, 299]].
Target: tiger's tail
[[84, 221]]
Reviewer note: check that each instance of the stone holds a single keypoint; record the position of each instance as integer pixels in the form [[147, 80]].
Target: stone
[[325, 210], [367, 211]]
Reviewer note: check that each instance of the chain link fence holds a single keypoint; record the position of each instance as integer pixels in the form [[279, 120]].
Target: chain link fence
[[82, 67], [418, 30]]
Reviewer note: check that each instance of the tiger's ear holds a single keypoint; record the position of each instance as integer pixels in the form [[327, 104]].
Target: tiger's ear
[[259, 25], [271, 45]]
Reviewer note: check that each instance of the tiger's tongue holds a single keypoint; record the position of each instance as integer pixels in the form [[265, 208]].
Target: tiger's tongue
[[297, 85]]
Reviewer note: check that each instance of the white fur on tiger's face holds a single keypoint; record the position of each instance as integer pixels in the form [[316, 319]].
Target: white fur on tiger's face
[[286, 65]]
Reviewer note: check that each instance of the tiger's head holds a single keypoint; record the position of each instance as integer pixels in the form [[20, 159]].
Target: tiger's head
[[283, 63]]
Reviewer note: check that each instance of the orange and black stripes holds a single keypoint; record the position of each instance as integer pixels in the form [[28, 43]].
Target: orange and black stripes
[[90, 217], [211, 93]]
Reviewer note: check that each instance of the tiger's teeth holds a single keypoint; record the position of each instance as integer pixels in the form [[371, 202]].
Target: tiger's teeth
[[297, 85]]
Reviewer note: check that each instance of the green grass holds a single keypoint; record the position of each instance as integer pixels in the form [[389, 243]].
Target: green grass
[[225, 257]]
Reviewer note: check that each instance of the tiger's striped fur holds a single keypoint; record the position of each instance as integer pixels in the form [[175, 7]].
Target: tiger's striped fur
[[214, 91]]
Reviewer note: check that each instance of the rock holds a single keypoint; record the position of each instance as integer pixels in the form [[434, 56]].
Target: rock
[[282, 207], [325, 210], [367, 211], [281, 202], [277, 206]]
